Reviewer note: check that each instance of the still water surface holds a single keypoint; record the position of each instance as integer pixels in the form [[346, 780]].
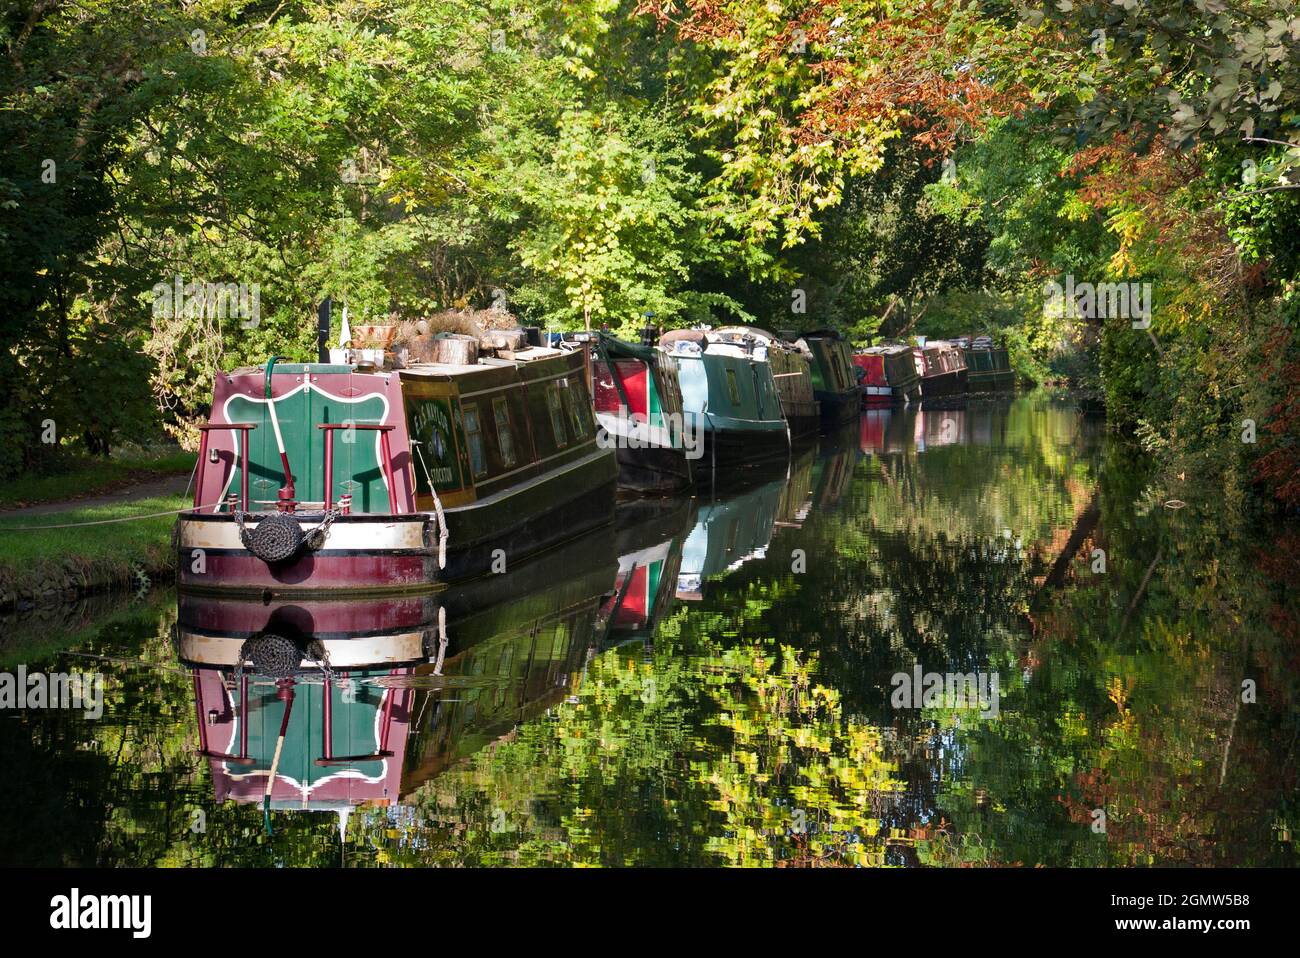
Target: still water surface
[[720, 681]]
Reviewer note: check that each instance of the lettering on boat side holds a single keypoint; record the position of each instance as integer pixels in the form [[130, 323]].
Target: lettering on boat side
[[60, 690], [76, 911], [951, 690]]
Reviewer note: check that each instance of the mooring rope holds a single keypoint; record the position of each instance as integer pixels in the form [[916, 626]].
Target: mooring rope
[[437, 506], [104, 522]]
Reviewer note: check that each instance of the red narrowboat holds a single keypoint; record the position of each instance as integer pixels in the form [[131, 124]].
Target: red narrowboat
[[327, 477]]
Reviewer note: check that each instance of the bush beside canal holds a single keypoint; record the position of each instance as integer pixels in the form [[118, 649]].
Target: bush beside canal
[[41, 562]]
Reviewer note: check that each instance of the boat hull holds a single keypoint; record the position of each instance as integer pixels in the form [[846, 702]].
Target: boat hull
[[838, 408], [944, 385], [657, 470], [728, 449], [804, 420], [376, 554]]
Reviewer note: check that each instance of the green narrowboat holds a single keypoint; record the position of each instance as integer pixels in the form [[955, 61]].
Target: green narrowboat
[[792, 372], [835, 384], [988, 367]]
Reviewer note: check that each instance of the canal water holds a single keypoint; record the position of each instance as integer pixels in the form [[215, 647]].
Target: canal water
[[985, 636]]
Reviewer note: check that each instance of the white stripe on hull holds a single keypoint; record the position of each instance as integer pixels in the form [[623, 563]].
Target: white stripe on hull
[[406, 533], [369, 650]]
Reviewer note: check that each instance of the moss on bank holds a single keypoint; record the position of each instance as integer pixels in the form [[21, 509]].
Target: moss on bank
[[48, 556]]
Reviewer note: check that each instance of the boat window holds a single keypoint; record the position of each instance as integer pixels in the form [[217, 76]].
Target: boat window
[[474, 436], [572, 408], [733, 387], [505, 438], [557, 415]]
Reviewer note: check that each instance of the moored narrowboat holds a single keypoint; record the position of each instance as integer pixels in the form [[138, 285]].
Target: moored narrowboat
[[729, 394], [872, 380], [792, 373], [639, 413], [890, 367], [834, 384], [988, 368], [341, 477], [944, 377]]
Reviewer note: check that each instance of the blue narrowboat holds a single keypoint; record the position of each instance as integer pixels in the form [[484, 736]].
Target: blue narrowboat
[[729, 394]]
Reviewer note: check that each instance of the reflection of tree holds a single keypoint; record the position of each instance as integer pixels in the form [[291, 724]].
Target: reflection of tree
[[1139, 712], [755, 728]]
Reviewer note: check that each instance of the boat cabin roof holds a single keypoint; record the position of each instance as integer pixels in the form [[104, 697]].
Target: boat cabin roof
[[485, 364]]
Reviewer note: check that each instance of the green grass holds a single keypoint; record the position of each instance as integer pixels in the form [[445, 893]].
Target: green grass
[[90, 557], [88, 476]]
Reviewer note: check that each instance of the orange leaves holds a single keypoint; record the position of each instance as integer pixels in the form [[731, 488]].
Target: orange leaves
[[914, 67]]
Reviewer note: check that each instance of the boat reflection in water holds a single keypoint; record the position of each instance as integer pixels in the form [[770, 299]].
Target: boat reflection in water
[[731, 531], [325, 705], [893, 431]]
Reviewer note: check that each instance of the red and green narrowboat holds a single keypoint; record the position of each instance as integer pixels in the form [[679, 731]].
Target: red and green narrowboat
[[335, 477], [639, 414]]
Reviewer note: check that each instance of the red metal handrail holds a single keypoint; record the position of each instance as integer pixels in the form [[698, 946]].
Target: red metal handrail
[[204, 749], [386, 455], [243, 429]]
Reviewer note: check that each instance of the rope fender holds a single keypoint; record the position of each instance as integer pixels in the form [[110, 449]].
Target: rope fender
[[279, 536]]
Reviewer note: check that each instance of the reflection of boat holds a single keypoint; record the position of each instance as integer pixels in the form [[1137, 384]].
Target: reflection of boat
[[834, 470], [343, 738], [727, 533], [872, 430], [834, 383], [639, 408], [796, 498], [728, 392], [512, 658], [650, 554], [329, 476], [360, 690], [212, 630], [945, 427]]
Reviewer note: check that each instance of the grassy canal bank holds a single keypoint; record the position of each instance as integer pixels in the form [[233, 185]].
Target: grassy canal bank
[[58, 554], [82, 477]]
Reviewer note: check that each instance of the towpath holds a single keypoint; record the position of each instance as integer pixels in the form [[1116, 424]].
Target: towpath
[[164, 486]]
